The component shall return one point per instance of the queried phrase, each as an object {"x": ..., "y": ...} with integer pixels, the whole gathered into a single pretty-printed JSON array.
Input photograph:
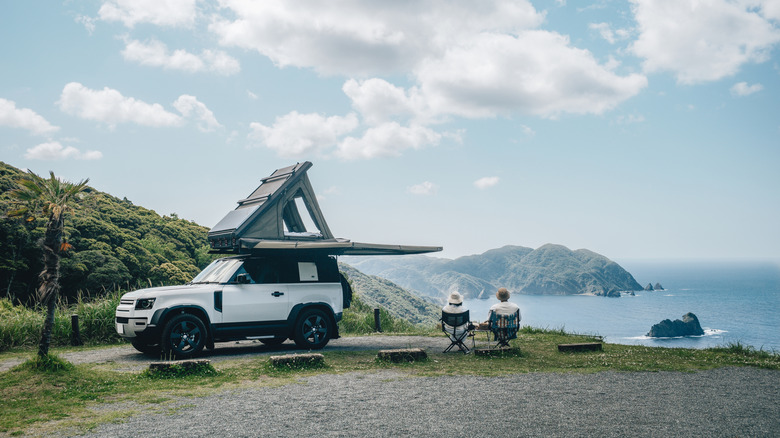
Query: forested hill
[
  {"x": 115, "y": 244},
  {"x": 550, "y": 269},
  {"x": 378, "y": 292}
]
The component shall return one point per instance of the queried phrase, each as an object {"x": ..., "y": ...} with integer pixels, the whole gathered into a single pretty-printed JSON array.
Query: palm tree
[{"x": 49, "y": 198}]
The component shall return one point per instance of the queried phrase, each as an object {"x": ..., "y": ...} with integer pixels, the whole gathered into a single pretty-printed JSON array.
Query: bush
[
  {"x": 50, "y": 363},
  {"x": 21, "y": 326}
]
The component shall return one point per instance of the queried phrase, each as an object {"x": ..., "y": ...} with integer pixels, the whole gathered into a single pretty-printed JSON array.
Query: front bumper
[{"x": 130, "y": 327}]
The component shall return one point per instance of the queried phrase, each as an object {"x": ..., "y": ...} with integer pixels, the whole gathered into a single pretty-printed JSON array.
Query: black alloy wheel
[
  {"x": 313, "y": 330},
  {"x": 184, "y": 336}
]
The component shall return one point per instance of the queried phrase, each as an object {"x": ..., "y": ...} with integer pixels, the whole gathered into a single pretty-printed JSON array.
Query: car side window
[
  {"x": 262, "y": 271},
  {"x": 242, "y": 271}
]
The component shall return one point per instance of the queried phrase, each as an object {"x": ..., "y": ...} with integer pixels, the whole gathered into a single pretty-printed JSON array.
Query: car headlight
[{"x": 144, "y": 304}]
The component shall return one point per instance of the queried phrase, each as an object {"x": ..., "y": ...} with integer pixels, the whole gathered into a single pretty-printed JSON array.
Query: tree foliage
[{"x": 113, "y": 244}]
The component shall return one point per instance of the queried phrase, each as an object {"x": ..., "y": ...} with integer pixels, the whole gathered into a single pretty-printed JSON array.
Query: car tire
[
  {"x": 184, "y": 336},
  {"x": 145, "y": 348},
  {"x": 313, "y": 329}
]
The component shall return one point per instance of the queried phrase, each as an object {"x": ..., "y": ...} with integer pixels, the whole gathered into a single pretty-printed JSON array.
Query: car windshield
[{"x": 219, "y": 271}]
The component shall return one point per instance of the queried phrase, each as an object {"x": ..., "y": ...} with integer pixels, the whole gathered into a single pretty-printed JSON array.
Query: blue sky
[{"x": 636, "y": 129}]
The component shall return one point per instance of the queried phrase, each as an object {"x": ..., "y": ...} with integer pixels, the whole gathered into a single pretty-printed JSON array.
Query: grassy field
[{"x": 42, "y": 397}]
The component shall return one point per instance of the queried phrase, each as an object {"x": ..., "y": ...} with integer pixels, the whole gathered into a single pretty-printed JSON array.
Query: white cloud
[
  {"x": 363, "y": 38},
  {"x": 424, "y": 188},
  {"x": 466, "y": 61},
  {"x": 743, "y": 89},
  {"x": 297, "y": 135},
  {"x": 486, "y": 182},
  {"x": 606, "y": 32},
  {"x": 110, "y": 107},
  {"x": 387, "y": 140},
  {"x": 156, "y": 54},
  {"x": 702, "y": 40},
  {"x": 24, "y": 118},
  {"x": 88, "y": 22},
  {"x": 535, "y": 72},
  {"x": 171, "y": 13},
  {"x": 379, "y": 101},
  {"x": 191, "y": 108},
  {"x": 55, "y": 151}
]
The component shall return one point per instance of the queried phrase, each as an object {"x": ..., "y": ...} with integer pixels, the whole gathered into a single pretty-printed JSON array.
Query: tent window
[{"x": 297, "y": 219}]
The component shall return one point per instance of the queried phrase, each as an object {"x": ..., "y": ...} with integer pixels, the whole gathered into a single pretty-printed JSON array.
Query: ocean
[{"x": 734, "y": 301}]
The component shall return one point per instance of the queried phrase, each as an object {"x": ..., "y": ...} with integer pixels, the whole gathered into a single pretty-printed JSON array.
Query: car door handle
[{"x": 277, "y": 294}]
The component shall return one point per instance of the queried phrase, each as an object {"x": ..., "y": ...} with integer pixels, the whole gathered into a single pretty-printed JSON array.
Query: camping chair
[
  {"x": 451, "y": 324},
  {"x": 504, "y": 327}
]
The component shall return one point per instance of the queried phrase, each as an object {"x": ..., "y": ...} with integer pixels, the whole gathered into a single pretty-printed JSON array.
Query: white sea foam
[
  {"x": 711, "y": 332},
  {"x": 707, "y": 332}
]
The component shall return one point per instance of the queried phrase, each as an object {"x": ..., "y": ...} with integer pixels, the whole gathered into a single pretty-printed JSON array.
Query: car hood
[{"x": 153, "y": 292}]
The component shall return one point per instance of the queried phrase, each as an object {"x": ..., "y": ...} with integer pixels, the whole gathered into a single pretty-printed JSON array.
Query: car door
[{"x": 254, "y": 296}]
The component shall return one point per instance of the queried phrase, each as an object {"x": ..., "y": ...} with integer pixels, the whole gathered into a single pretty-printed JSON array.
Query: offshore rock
[
  {"x": 689, "y": 326},
  {"x": 658, "y": 287},
  {"x": 649, "y": 286}
]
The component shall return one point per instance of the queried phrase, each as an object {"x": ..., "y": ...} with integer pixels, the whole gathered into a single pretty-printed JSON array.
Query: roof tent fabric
[
  {"x": 270, "y": 209},
  {"x": 269, "y": 220}
]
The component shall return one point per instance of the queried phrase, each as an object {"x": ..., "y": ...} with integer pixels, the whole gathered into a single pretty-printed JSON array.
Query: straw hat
[
  {"x": 455, "y": 298},
  {"x": 502, "y": 294}
]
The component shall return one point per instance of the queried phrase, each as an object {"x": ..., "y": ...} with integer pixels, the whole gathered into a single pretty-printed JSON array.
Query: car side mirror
[{"x": 242, "y": 278}]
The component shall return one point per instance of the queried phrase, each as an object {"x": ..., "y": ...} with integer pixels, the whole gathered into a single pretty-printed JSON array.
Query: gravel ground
[{"x": 726, "y": 402}]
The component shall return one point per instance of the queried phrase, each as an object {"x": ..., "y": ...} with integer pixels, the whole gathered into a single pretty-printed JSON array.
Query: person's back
[
  {"x": 455, "y": 305},
  {"x": 504, "y": 307}
]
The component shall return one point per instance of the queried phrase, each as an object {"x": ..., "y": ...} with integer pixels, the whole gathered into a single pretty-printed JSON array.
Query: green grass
[
  {"x": 40, "y": 397},
  {"x": 20, "y": 326}
]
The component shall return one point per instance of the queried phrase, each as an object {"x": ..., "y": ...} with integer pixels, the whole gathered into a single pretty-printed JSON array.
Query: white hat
[{"x": 456, "y": 298}]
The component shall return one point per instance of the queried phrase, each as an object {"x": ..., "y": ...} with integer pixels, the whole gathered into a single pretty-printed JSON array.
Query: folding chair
[
  {"x": 457, "y": 328},
  {"x": 504, "y": 328}
]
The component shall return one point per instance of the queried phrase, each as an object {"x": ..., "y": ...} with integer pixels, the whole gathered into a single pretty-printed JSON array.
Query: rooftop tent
[{"x": 282, "y": 215}]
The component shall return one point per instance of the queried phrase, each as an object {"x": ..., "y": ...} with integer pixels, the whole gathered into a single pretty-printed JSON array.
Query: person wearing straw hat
[
  {"x": 503, "y": 306},
  {"x": 455, "y": 305}
]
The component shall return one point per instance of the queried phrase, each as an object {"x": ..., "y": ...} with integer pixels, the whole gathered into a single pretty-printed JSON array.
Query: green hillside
[
  {"x": 115, "y": 244},
  {"x": 398, "y": 302}
]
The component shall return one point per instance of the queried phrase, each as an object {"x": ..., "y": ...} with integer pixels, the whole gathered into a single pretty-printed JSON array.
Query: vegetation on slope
[
  {"x": 115, "y": 244},
  {"x": 377, "y": 292}
]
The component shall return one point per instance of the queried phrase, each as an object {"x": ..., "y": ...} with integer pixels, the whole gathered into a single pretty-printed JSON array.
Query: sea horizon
[{"x": 736, "y": 301}]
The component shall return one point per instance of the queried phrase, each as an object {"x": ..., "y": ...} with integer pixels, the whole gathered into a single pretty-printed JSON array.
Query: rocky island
[{"x": 689, "y": 326}]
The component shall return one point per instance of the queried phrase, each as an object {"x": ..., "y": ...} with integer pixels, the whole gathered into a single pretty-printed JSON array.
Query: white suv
[{"x": 271, "y": 298}]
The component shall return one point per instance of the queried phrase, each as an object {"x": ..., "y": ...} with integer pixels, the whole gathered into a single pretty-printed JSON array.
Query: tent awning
[{"x": 332, "y": 247}]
